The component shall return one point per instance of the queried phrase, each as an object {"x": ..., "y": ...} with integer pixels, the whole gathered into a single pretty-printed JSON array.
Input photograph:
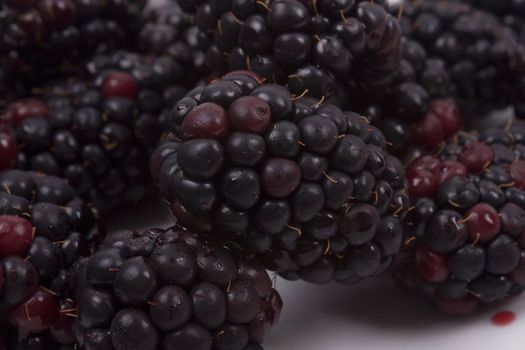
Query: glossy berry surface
[
  {"x": 306, "y": 187},
  {"x": 169, "y": 289}
]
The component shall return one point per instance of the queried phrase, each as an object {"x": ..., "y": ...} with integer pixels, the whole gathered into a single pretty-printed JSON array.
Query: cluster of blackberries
[
  {"x": 468, "y": 220},
  {"x": 169, "y": 289},
  {"x": 44, "y": 229},
  {"x": 309, "y": 45},
  {"x": 306, "y": 187}
]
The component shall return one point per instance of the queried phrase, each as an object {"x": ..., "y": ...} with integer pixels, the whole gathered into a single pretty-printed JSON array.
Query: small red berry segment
[
  {"x": 430, "y": 265},
  {"x": 61, "y": 329},
  {"x": 483, "y": 222},
  {"x": 280, "y": 177},
  {"x": 464, "y": 306},
  {"x": 421, "y": 176},
  {"x": 517, "y": 172},
  {"x": 503, "y": 318},
  {"x": 37, "y": 314},
  {"x": 208, "y": 120},
  {"x": 120, "y": 84},
  {"x": 16, "y": 235},
  {"x": 476, "y": 156},
  {"x": 429, "y": 132},
  {"x": 450, "y": 168},
  {"x": 18, "y": 111},
  {"x": 250, "y": 114},
  {"x": 448, "y": 114},
  {"x": 8, "y": 150}
]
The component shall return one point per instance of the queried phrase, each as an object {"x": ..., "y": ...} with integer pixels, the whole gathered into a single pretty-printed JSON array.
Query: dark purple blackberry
[
  {"x": 170, "y": 31},
  {"x": 465, "y": 243},
  {"x": 168, "y": 289},
  {"x": 306, "y": 187},
  {"x": 44, "y": 230},
  {"x": 481, "y": 55},
  {"x": 51, "y": 36},
  {"x": 316, "y": 47},
  {"x": 98, "y": 134}
]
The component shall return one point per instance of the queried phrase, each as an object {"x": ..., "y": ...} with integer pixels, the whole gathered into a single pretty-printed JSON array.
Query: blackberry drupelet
[
  {"x": 319, "y": 46},
  {"x": 304, "y": 186},
  {"x": 481, "y": 54},
  {"x": 169, "y": 289},
  {"x": 44, "y": 229},
  {"x": 98, "y": 133},
  {"x": 51, "y": 36},
  {"x": 464, "y": 234}
]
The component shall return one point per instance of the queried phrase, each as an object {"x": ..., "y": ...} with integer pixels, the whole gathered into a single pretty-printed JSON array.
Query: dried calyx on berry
[
  {"x": 309, "y": 189},
  {"x": 44, "y": 229},
  {"x": 465, "y": 232},
  {"x": 326, "y": 47},
  {"x": 169, "y": 289}
]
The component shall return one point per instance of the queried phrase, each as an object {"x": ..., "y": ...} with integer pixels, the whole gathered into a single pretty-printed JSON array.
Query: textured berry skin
[
  {"x": 99, "y": 132},
  {"x": 480, "y": 52},
  {"x": 465, "y": 232},
  {"x": 315, "y": 195},
  {"x": 168, "y": 289},
  {"x": 8, "y": 150},
  {"x": 326, "y": 48},
  {"x": 44, "y": 229}
]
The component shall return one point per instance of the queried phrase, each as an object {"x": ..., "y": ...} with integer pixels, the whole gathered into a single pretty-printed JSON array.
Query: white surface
[{"x": 373, "y": 315}]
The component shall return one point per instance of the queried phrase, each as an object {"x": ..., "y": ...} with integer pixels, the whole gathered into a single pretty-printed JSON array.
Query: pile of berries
[{"x": 324, "y": 140}]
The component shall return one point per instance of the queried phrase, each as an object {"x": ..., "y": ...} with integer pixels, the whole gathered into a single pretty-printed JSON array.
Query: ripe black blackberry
[
  {"x": 307, "y": 45},
  {"x": 306, "y": 187},
  {"x": 98, "y": 133},
  {"x": 48, "y": 36},
  {"x": 480, "y": 53},
  {"x": 44, "y": 229},
  {"x": 168, "y": 289},
  {"x": 465, "y": 242}
]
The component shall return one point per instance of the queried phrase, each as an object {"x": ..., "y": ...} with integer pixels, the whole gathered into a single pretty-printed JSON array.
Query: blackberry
[
  {"x": 49, "y": 37},
  {"x": 44, "y": 229},
  {"x": 481, "y": 54},
  {"x": 168, "y": 289},
  {"x": 98, "y": 133},
  {"x": 170, "y": 31},
  {"x": 304, "y": 186},
  {"x": 465, "y": 230},
  {"x": 313, "y": 46}
]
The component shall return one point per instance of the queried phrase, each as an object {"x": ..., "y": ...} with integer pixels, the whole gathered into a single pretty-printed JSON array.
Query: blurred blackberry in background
[
  {"x": 98, "y": 134},
  {"x": 51, "y": 37},
  {"x": 327, "y": 48},
  {"x": 170, "y": 31},
  {"x": 510, "y": 12},
  {"x": 168, "y": 289},
  {"x": 304, "y": 186},
  {"x": 481, "y": 55},
  {"x": 465, "y": 243},
  {"x": 44, "y": 229}
]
